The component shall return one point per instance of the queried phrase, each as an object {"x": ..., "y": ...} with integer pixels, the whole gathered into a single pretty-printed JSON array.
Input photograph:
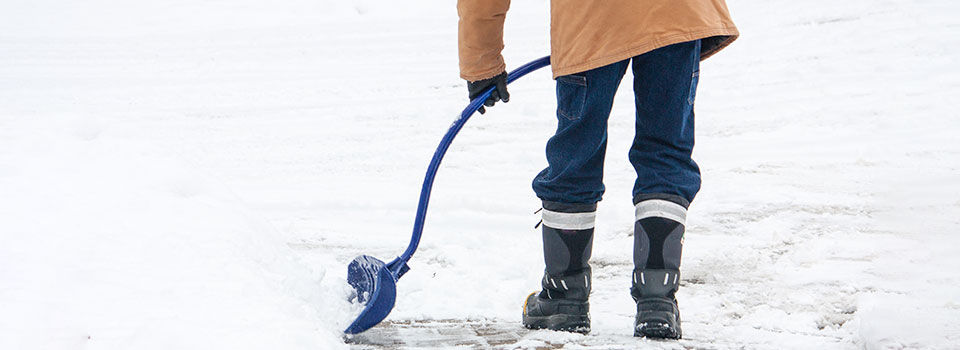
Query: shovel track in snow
[{"x": 497, "y": 334}]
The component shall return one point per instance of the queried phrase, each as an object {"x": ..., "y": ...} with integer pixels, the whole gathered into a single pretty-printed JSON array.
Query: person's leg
[
  {"x": 665, "y": 82},
  {"x": 664, "y": 85},
  {"x": 576, "y": 151},
  {"x": 570, "y": 187}
]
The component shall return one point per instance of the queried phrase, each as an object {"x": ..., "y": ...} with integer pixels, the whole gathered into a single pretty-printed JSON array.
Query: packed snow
[{"x": 198, "y": 174}]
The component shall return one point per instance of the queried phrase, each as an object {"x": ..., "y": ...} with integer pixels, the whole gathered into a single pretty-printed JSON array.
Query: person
[{"x": 592, "y": 44}]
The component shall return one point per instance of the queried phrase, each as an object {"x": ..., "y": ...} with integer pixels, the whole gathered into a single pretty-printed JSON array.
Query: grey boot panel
[
  {"x": 655, "y": 283},
  {"x": 657, "y": 243},
  {"x": 575, "y": 286},
  {"x": 566, "y": 251}
]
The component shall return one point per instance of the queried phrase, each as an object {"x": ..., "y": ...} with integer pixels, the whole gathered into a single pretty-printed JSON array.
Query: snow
[
  {"x": 108, "y": 245},
  {"x": 197, "y": 174}
]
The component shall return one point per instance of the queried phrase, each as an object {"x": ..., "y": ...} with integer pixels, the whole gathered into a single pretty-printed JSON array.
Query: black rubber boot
[
  {"x": 658, "y": 315},
  {"x": 562, "y": 303},
  {"x": 554, "y": 310},
  {"x": 658, "y": 243}
]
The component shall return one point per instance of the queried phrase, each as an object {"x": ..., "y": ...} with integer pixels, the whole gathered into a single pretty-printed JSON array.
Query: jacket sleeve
[{"x": 480, "y": 38}]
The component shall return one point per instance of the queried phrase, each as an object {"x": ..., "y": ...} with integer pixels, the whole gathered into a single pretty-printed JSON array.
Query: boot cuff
[
  {"x": 569, "y": 207},
  {"x": 569, "y": 216},
  {"x": 664, "y": 196}
]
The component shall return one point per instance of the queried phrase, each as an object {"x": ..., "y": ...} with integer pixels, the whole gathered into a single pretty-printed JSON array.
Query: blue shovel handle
[
  {"x": 374, "y": 281},
  {"x": 398, "y": 267}
]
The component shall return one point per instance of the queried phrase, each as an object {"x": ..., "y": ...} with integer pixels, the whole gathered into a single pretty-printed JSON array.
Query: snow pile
[{"x": 108, "y": 245}]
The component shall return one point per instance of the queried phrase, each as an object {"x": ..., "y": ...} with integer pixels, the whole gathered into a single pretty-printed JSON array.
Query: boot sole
[
  {"x": 564, "y": 323},
  {"x": 657, "y": 331}
]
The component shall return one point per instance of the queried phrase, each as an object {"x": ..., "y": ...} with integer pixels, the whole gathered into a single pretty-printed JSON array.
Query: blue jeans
[{"x": 664, "y": 87}]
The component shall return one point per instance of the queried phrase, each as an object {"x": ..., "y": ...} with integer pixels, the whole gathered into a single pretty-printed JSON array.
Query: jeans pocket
[
  {"x": 692, "y": 95},
  {"x": 571, "y": 96}
]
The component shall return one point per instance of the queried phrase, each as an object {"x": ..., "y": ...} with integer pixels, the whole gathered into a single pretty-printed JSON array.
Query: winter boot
[
  {"x": 658, "y": 242},
  {"x": 561, "y": 304}
]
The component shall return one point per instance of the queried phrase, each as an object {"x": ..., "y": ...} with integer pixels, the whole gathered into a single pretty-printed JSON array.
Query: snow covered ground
[{"x": 197, "y": 175}]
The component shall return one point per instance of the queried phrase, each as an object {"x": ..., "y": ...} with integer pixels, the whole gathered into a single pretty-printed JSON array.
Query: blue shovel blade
[{"x": 376, "y": 286}]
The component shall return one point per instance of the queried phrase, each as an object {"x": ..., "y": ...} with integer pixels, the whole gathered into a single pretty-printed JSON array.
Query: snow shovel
[{"x": 376, "y": 281}]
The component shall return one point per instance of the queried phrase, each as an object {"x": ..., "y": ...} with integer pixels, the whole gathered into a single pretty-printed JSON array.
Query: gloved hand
[{"x": 499, "y": 92}]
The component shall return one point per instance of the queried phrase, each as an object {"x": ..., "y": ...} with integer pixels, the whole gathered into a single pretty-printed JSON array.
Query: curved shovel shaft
[
  {"x": 445, "y": 143},
  {"x": 374, "y": 280}
]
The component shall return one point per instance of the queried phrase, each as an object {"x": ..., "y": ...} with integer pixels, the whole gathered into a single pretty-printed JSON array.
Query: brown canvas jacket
[{"x": 586, "y": 34}]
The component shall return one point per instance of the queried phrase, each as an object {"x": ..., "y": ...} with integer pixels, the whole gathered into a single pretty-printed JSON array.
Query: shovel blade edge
[{"x": 376, "y": 287}]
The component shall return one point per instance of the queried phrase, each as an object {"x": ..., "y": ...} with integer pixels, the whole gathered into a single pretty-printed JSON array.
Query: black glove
[{"x": 499, "y": 92}]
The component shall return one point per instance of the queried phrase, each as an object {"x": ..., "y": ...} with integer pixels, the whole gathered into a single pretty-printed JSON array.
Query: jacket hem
[{"x": 650, "y": 45}]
